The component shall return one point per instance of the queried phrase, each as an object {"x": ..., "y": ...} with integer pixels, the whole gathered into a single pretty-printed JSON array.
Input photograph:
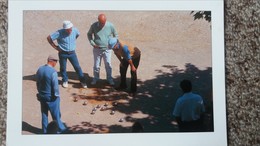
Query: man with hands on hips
[{"x": 66, "y": 39}]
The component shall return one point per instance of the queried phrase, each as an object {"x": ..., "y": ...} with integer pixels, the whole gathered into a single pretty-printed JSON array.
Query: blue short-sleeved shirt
[
  {"x": 127, "y": 55},
  {"x": 66, "y": 42},
  {"x": 189, "y": 107}
]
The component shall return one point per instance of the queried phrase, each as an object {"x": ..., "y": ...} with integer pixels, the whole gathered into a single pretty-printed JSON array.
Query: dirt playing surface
[{"x": 173, "y": 47}]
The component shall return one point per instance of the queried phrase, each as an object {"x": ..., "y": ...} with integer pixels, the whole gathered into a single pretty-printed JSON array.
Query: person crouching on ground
[
  {"x": 127, "y": 54},
  {"x": 48, "y": 93},
  {"x": 189, "y": 109}
]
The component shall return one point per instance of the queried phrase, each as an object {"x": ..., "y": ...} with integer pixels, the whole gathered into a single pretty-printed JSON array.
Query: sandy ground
[{"x": 173, "y": 46}]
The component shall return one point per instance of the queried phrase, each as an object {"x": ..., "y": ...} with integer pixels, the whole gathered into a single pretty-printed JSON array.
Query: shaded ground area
[{"x": 155, "y": 100}]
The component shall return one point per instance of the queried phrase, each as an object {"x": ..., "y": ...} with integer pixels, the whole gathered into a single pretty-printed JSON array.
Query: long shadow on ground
[
  {"x": 27, "y": 127},
  {"x": 156, "y": 98}
]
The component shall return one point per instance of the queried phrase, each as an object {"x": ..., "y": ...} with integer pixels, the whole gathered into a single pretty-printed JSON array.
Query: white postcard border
[{"x": 14, "y": 107}]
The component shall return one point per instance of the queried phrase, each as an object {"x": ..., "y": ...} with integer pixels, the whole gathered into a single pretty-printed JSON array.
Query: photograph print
[{"x": 99, "y": 72}]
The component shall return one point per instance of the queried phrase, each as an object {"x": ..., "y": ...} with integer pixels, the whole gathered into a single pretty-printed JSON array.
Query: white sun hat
[{"x": 67, "y": 24}]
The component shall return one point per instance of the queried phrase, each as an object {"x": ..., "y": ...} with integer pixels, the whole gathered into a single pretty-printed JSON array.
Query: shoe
[
  {"x": 94, "y": 82},
  {"x": 65, "y": 85},
  {"x": 111, "y": 82},
  {"x": 84, "y": 85}
]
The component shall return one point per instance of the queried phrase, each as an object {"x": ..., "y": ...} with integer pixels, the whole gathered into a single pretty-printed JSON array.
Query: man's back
[
  {"x": 189, "y": 107},
  {"x": 45, "y": 80}
]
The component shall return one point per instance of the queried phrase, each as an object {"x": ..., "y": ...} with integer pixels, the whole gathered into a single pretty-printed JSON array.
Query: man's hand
[
  {"x": 96, "y": 46},
  {"x": 133, "y": 69},
  {"x": 56, "y": 47}
]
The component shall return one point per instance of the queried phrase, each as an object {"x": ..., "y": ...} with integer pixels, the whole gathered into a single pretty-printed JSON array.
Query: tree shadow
[
  {"x": 30, "y": 77},
  {"x": 27, "y": 127},
  {"x": 91, "y": 128},
  {"x": 73, "y": 78},
  {"x": 155, "y": 99}
]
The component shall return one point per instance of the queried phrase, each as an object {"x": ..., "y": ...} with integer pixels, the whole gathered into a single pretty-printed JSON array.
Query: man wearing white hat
[
  {"x": 66, "y": 39},
  {"x": 48, "y": 93}
]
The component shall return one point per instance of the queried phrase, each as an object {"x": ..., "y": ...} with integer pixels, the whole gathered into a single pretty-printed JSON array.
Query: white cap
[{"x": 67, "y": 24}]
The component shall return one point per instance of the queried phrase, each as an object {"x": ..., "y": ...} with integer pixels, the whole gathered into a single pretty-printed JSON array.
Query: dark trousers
[
  {"x": 191, "y": 126},
  {"x": 123, "y": 71}
]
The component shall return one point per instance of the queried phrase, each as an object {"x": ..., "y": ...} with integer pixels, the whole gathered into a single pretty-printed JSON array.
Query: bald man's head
[{"x": 102, "y": 20}]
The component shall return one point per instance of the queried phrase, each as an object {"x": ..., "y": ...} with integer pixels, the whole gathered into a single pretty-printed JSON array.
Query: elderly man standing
[
  {"x": 48, "y": 93},
  {"x": 98, "y": 36},
  {"x": 66, "y": 39}
]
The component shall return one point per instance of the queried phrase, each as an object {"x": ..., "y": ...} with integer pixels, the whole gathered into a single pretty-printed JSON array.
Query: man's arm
[
  {"x": 37, "y": 80},
  {"x": 56, "y": 47},
  {"x": 115, "y": 34},
  {"x": 77, "y": 33},
  {"x": 129, "y": 58},
  {"x": 118, "y": 57},
  {"x": 132, "y": 65},
  {"x": 55, "y": 85},
  {"x": 90, "y": 37},
  {"x": 177, "y": 112}
]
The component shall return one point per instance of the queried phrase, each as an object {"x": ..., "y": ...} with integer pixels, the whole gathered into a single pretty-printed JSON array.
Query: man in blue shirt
[
  {"x": 66, "y": 39},
  {"x": 127, "y": 54},
  {"x": 48, "y": 93},
  {"x": 189, "y": 109},
  {"x": 98, "y": 36}
]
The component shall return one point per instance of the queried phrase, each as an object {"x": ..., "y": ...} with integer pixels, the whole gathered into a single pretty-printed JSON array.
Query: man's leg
[
  {"x": 134, "y": 75},
  {"x": 44, "y": 112},
  {"x": 54, "y": 107},
  {"x": 97, "y": 61},
  {"x": 63, "y": 64},
  {"x": 107, "y": 61},
  {"x": 75, "y": 63},
  {"x": 123, "y": 70}
]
